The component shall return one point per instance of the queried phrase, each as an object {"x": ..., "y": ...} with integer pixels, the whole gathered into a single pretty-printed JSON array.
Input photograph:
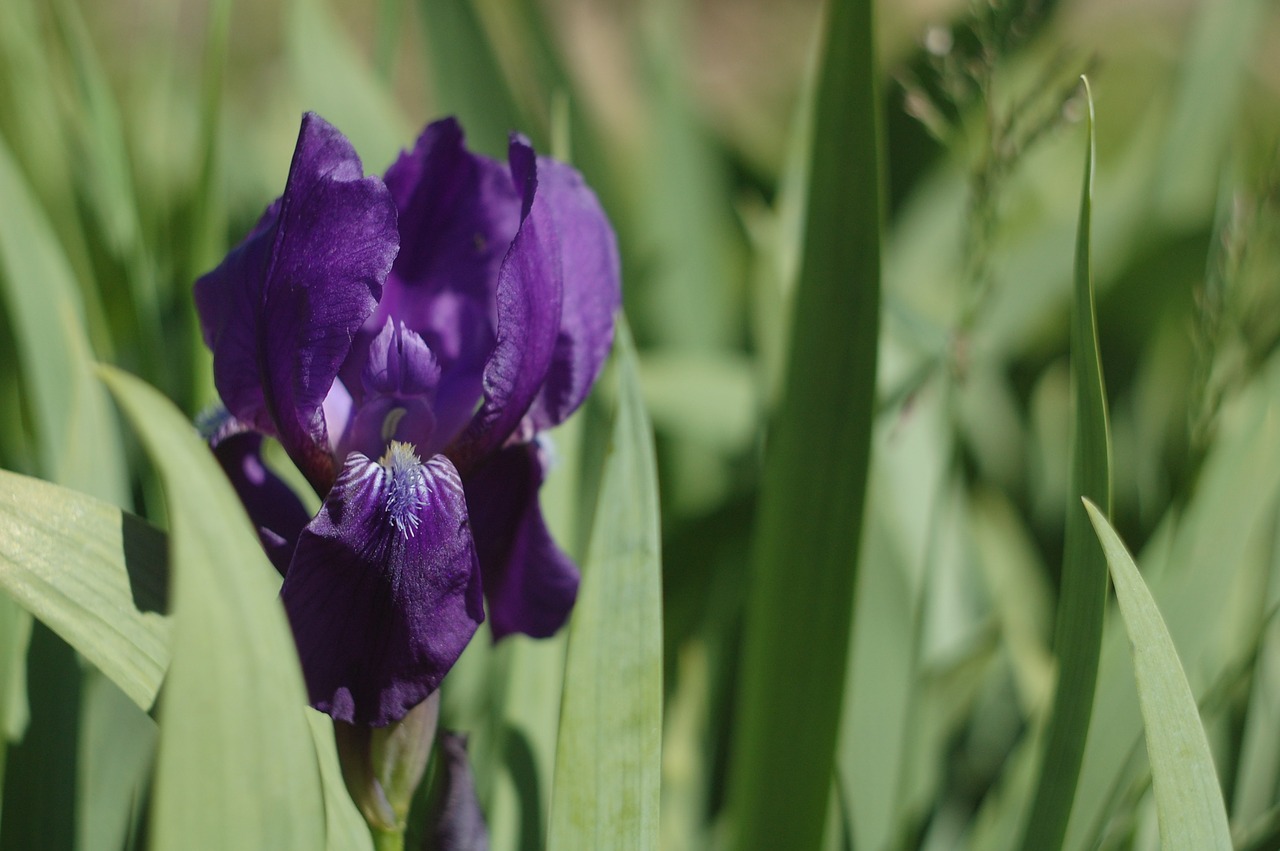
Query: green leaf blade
[
  {"x": 809, "y": 523},
  {"x": 1083, "y": 595},
  {"x": 609, "y": 751},
  {"x": 1189, "y": 802},
  {"x": 93, "y": 574},
  {"x": 76, "y": 431},
  {"x": 237, "y": 765}
]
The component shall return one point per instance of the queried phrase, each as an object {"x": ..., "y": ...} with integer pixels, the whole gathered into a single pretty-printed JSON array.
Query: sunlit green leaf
[
  {"x": 1188, "y": 797},
  {"x": 92, "y": 573},
  {"x": 237, "y": 764},
  {"x": 345, "y": 828},
  {"x": 118, "y": 743},
  {"x": 608, "y": 756}
]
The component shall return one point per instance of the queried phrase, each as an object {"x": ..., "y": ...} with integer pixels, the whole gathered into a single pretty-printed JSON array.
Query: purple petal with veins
[
  {"x": 530, "y": 583},
  {"x": 384, "y": 590},
  {"x": 592, "y": 292},
  {"x": 529, "y": 303},
  {"x": 281, "y": 310}
]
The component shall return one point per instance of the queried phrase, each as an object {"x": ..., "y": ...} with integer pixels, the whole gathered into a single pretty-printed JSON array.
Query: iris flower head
[{"x": 406, "y": 339}]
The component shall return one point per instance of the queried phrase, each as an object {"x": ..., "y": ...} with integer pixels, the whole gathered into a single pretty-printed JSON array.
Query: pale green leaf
[
  {"x": 608, "y": 756},
  {"x": 94, "y": 574},
  {"x": 1191, "y": 575},
  {"x": 1188, "y": 797},
  {"x": 117, "y": 747},
  {"x": 345, "y": 828},
  {"x": 237, "y": 764}
]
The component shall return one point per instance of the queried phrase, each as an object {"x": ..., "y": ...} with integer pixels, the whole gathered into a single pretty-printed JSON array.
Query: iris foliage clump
[{"x": 739, "y": 425}]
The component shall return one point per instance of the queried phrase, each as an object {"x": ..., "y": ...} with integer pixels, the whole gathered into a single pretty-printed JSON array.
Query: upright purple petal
[
  {"x": 592, "y": 292},
  {"x": 384, "y": 593},
  {"x": 458, "y": 213},
  {"x": 281, "y": 311},
  {"x": 272, "y": 506},
  {"x": 530, "y": 292},
  {"x": 531, "y": 585},
  {"x": 399, "y": 380}
]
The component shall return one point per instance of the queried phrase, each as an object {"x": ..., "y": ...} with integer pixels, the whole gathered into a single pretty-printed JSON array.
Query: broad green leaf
[
  {"x": 94, "y": 574},
  {"x": 118, "y": 743},
  {"x": 801, "y": 600},
  {"x": 1188, "y": 797},
  {"x": 345, "y": 828},
  {"x": 467, "y": 78},
  {"x": 902, "y": 554},
  {"x": 1083, "y": 596},
  {"x": 608, "y": 756},
  {"x": 237, "y": 764}
]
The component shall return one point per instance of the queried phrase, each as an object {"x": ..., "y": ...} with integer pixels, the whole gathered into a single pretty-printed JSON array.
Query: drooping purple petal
[
  {"x": 592, "y": 292},
  {"x": 399, "y": 381},
  {"x": 384, "y": 591},
  {"x": 530, "y": 292},
  {"x": 530, "y": 583},
  {"x": 282, "y": 309},
  {"x": 458, "y": 213},
  {"x": 272, "y": 506}
]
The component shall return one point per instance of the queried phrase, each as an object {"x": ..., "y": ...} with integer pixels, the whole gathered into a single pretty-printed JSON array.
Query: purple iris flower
[{"x": 406, "y": 339}]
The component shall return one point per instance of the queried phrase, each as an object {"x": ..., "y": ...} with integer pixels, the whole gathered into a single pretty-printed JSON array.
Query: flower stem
[{"x": 388, "y": 840}]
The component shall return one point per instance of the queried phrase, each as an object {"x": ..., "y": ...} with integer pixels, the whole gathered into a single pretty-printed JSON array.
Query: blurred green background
[{"x": 138, "y": 140}]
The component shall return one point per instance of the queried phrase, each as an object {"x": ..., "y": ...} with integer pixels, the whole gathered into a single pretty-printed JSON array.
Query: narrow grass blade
[
  {"x": 75, "y": 429},
  {"x": 800, "y": 606},
  {"x": 609, "y": 751},
  {"x": 336, "y": 82},
  {"x": 466, "y": 75},
  {"x": 94, "y": 574},
  {"x": 1083, "y": 596},
  {"x": 1192, "y": 576},
  {"x": 1188, "y": 797},
  {"x": 207, "y": 211},
  {"x": 98, "y": 139},
  {"x": 237, "y": 764}
]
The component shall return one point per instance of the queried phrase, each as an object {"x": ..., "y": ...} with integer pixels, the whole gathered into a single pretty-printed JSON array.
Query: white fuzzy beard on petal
[{"x": 406, "y": 486}]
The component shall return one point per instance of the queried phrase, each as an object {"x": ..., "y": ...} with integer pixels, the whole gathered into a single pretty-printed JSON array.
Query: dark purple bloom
[{"x": 406, "y": 341}]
